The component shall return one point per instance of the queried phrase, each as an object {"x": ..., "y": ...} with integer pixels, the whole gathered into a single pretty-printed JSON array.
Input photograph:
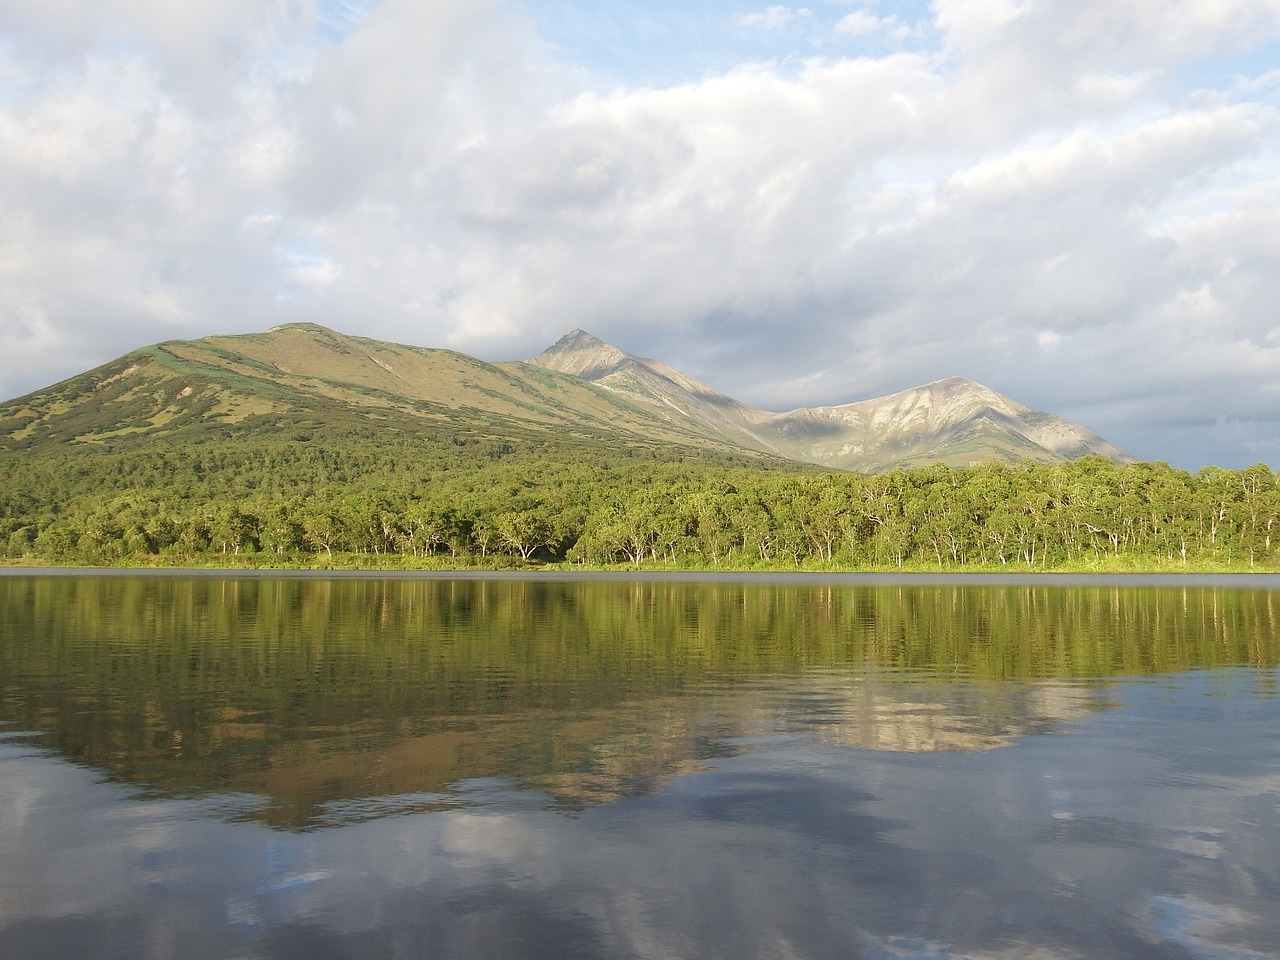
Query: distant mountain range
[
  {"x": 953, "y": 421},
  {"x": 305, "y": 379}
]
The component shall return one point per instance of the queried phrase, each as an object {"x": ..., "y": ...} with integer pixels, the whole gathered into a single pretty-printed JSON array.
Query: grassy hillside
[{"x": 305, "y": 381}]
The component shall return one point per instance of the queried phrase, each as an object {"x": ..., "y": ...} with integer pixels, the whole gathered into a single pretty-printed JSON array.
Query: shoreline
[{"x": 1260, "y": 580}]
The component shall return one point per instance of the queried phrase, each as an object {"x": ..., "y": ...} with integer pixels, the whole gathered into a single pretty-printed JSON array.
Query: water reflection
[
  {"x": 333, "y": 700},
  {"x": 304, "y": 768},
  {"x": 1125, "y": 839}
]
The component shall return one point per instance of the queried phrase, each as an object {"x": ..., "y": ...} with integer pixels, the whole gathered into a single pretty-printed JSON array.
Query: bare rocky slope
[{"x": 953, "y": 421}]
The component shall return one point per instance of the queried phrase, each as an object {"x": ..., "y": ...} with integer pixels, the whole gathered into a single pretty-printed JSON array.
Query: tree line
[{"x": 492, "y": 503}]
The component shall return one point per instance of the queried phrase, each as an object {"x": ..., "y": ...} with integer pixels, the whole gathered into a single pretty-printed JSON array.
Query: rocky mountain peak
[
  {"x": 953, "y": 420},
  {"x": 959, "y": 396},
  {"x": 582, "y": 355}
]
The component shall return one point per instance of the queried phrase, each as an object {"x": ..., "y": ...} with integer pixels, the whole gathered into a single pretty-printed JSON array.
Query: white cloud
[
  {"x": 775, "y": 17},
  {"x": 860, "y": 23},
  {"x": 1035, "y": 188},
  {"x": 1081, "y": 34}
]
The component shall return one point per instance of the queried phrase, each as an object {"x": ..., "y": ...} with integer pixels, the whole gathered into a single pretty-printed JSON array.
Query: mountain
[
  {"x": 674, "y": 397},
  {"x": 303, "y": 380},
  {"x": 953, "y": 421}
]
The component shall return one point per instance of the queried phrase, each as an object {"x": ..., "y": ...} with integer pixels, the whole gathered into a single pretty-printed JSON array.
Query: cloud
[
  {"x": 774, "y": 18},
  {"x": 1075, "y": 202},
  {"x": 861, "y": 23},
  {"x": 1134, "y": 32}
]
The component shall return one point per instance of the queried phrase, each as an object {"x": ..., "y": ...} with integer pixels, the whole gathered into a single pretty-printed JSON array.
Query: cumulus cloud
[
  {"x": 774, "y": 18},
  {"x": 861, "y": 23},
  {"x": 1076, "y": 203}
]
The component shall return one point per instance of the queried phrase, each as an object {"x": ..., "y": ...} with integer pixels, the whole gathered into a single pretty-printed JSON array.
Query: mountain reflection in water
[
  {"x": 232, "y": 767},
  {"x": 332, "y": 700}
]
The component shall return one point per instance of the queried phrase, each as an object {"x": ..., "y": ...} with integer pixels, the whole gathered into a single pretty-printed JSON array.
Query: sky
[{"x": 1074, "y": 202}]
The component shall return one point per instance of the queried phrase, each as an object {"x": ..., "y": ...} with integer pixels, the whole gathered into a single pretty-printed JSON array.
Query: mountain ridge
[
  {"x": 304, "y": 378},
  {"x": 953, "y": 420},
  {"x": 308, "y": 377}
]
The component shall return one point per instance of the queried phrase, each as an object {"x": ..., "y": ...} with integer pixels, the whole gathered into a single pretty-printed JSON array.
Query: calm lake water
[{"x": 235, "y": 766}]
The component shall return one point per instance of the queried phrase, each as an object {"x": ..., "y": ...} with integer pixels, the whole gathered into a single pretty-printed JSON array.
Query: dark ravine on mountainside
[
  {"x": 305, "y": 379},
  {"x": 953, "y": 421}
]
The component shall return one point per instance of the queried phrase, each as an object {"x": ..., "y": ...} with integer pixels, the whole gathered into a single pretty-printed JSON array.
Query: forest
[{"x": 377, "y": 501}]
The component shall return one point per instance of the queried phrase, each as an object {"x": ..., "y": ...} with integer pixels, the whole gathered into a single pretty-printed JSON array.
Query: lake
[{"x": 235, "y": 766}]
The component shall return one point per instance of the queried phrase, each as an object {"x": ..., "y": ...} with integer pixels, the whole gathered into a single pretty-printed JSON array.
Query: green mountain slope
[{"x": 304, "y": 379}]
